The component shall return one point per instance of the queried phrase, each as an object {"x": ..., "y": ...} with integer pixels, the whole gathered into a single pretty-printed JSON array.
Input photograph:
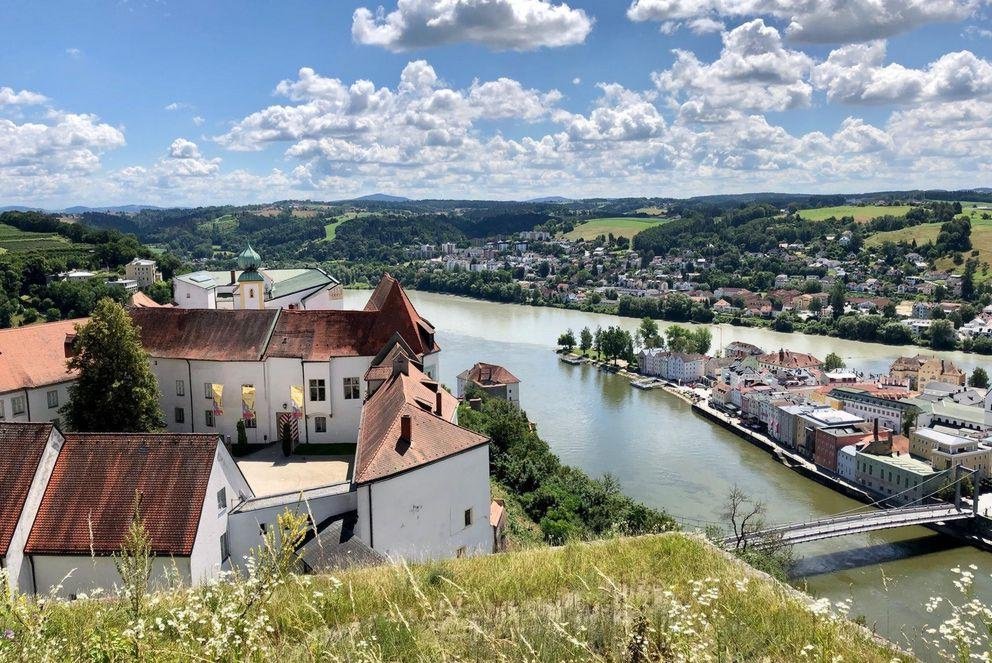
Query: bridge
[{"x": 866, "y": 518}]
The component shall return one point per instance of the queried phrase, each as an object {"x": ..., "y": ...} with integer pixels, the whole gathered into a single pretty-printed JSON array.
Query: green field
[
  {"x": 221, "y": 223},
  {"x": 331, "y": 229},
  {"x": 859, "y": 212},
  {"x": 619, "y": 226},
  {"x": 981, "y": 239},
  {"x": 13, "y": 240}
]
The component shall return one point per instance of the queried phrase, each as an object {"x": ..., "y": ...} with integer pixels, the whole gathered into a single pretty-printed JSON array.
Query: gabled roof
[
  {"x": 397, "y": 313},
  {"x": 488, "y": 375},
  {"x": 34, "y": 356},
  {"x": 205, "y": 334},
  {"x": 21, "y": 449},
  {"x": 89, "y": 501},
  {"x": 141, "y": 300},
  {"x": 382, "y": 452}
]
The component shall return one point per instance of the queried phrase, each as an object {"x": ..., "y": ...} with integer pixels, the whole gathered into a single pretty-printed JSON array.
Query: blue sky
[{"x": 232, "y": 102}]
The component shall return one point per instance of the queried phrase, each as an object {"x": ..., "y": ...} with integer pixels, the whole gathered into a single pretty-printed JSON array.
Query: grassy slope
[
  {"x": 619, "y": 226},
  {"x": 581, "y": 602},
  {"x": 865, "y": 213},
  {"x": 981, "y": 239},
  {"x": 15, "y": 240}
]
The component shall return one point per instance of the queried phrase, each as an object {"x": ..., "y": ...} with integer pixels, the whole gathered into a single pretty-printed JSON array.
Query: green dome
[{"x": 249, "y": 260}]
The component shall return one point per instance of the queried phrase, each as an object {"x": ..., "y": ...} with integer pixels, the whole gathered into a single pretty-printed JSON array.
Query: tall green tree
[
  {"x": 838, "y": 298},
  {"x": 833, "y": 361},
  {"x": 942, "y": 336},
  {"x": 116, "y": 390},
  {"x": 979, "y": 378},
  {"x": 649, "y": 333},
  {"x": 567, "y": 340},
  {"x": 585, "y": 339}
]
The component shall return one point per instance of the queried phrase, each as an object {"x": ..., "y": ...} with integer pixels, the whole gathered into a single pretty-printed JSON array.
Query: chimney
[
  {"x": 437, "y": 403},
  {"x": 406, "y": 428},
  {"x": 232, "y": 278},
  {"x": 475, "y": 403},
  {"x": 876, "y": 430}
]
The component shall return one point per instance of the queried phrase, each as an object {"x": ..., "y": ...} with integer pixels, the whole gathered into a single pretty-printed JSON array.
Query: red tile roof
[
  {"x": 489, "y": 375},
  {"x": 141, "y": 300},
  {"x": 21, "y": 448},
  {"x": 382, "y": 451},
  {"x": 397, "y": 314},
  {"x": 34, "y": 356},
  {"x": 790, "y": 359},
  {"x": 208, "y": 334},
  {"x": 93, "y": 485}
]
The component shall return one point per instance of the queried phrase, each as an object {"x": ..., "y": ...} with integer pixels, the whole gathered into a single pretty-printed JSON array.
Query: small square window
[
  {"x": 352, "y": 388},
  {"x": 53, "y": 398},
  {"x": 318, "y": 390},
  {"x": 468, "y": 517},
  {"x": 251, "y": 423},
  {"x": 180, "y": 388},
  {"x": 208, "y": 418},
  {"x": 320, "y": 424},
  {"x": 17, "y": 405},
  {"x": 180, "y": 415}
]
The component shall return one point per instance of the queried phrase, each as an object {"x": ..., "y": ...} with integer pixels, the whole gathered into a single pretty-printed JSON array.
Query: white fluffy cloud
[
  {"x": 520, "y": 25},
  {"x": 8, "y": 97},
  {"x": 815, "y": 21},
  {"x": 754, "y": 72},
  {"x": 856, "y": 74}
]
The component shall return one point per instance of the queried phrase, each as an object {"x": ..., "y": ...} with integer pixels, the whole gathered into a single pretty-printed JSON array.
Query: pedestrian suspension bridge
[{"x": 869, "y": 517}]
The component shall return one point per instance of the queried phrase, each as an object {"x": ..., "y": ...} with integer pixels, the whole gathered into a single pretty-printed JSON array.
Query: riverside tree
[
  {"x": 567, "y": 340},
  {"x": 585, "y": 339},
  {"x": 833, "y": 361},
  {"x": 116, "y": 390},
  {"x": 979, "y": 378}
]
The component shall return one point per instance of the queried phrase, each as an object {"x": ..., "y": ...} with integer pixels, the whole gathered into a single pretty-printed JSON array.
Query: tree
[
  {"x": 649, "y": 333},
  {"x": 746, "y": 516},
  {"x": 979, "y": 378},
  {"x": 116, "y": 390},
  {"x": 567, "y": 340},
  {"x": 597, "y": 342},
  {"x": 585, "y": 339},
  {"x": 942, "y": 335},
  {"x": 838, "y": 298},
  {"x": 702, "y": 339},
  {"x": 833, "y": 361}
]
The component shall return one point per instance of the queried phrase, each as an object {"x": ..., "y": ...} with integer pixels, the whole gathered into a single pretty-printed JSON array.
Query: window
[
  {"x": 318, "y": 390},
  {"x": 208, "y": 418},
  {"x": 180, "y": 415},
  {"x": 225, "y": 551},
  {"x": 2, "y": 415},
  {"x": 320, "y": 424},
  {"x": 262, "y": 529},
  {"x": 53, "y": 398},
  {"x": 208, "y": 390},
  {"x": 222, "y": 498},
  {"x": 468, "y": 517},
  {"x": 250, "y": 423},
  {"x": 460, "y": 552},
  {"x": 352, "y": 388},
  {"x": 17, "y": 405},
  {"x": 180, "y": 388}
]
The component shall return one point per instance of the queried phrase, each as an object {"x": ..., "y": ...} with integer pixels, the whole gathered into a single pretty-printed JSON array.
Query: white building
[
  {"x": 252, "y": 287},
  {"x": 34, "y": 380},
  {"x": 492, "y": 379},
  {"x": 276, "y": 367},
  {"x": 80, "y": 502},
  {"x": 144, "y": 271},
  {"x": 674, "y": 366}
]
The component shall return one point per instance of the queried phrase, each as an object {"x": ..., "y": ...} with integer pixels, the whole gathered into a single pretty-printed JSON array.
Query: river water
[{"x": 670, "y": 458}]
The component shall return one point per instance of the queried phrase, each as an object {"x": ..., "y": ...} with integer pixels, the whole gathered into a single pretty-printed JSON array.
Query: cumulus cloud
[
  {"x": 849, "y": 21},
  {"x": 74, "y": 53},
  {"x": 8, "y": 97},
  {"x": 520, "y": 25},
  {"x": 857, "y": 74},
  {"x": 754, "y": 72},
  {"x": 178, "y": 105}
]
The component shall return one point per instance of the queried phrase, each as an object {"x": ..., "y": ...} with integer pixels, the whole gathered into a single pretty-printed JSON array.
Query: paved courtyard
[{"x": 268, "y": 472}]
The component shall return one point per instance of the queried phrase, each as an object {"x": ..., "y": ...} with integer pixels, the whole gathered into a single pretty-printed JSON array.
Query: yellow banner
[
  {"x": 247, "y": 402},
  {"x": 296, "y": 395},
  {"x": 218, "y": 391}
]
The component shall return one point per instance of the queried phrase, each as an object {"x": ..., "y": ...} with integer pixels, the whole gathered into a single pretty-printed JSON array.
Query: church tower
[{"x": 251, "y": 284}]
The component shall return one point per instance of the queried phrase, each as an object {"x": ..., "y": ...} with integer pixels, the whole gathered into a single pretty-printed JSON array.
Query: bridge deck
[{"x": 828, "y": 528}]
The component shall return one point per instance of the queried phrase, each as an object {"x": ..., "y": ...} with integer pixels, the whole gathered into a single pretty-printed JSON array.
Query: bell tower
[{"x": 251, "y": 284}]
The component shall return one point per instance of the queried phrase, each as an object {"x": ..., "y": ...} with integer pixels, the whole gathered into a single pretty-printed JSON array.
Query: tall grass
[{"x": 669, "y": 597}]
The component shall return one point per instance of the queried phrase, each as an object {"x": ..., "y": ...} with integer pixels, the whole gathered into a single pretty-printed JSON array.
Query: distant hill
[
  {"x": 551, "y": 199},
  {"x": 20, "y": 208},
  {"x": 126, "y": 209},
  {"x": 382, "y": 198}
]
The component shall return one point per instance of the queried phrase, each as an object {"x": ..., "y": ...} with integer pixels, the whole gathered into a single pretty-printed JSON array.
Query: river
[{"x": 670, "y": 458}]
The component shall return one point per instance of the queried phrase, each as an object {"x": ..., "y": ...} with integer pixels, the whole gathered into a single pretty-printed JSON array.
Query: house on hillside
[
  {"x": 253, "y": 287},
  {"x": 494, "y": 380},
  {"x": 34, "y": 380},
  {"x": 142, "y": 271},
  {"x": 72, "y": 498}
]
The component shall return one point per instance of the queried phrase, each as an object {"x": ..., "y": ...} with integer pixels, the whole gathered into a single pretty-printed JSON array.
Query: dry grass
[{"x": 668, "y": 597}]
